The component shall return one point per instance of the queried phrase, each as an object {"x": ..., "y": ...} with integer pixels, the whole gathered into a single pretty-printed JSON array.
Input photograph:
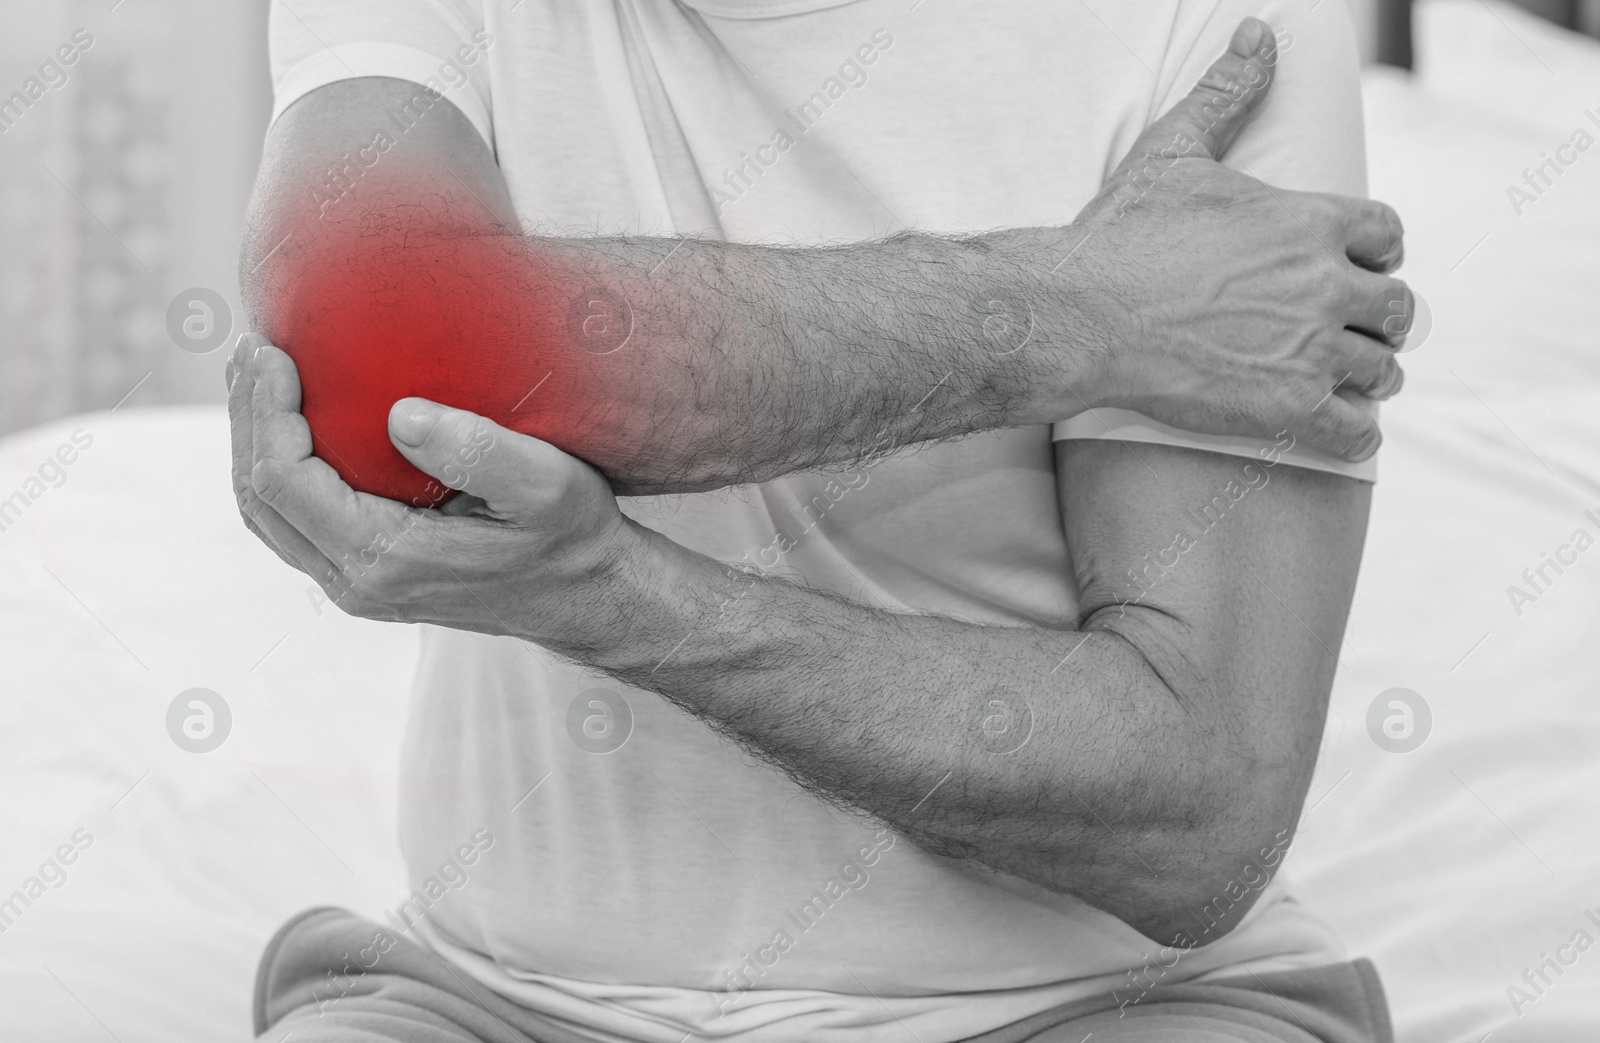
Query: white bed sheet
[
  {"x": 132, "y": 582},
  {"x": 1455, "y": 866},
  {"x": 1458, "y": 866}
]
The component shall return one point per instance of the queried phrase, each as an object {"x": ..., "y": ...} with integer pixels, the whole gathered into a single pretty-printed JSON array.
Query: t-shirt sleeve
[
  {"x": 442, "y": 44},
  {"x": 1307, "y": 137}
]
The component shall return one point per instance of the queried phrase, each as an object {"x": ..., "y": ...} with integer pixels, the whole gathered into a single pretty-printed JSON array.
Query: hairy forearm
[
  {"x": 1057, "y": 756},
  {"x": 1144, "y": 760},
  {"x": 671, "y": 364},
  {"x": 744, "y": 363}
]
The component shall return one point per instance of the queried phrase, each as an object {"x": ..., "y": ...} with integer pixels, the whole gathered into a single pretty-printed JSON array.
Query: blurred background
[
  {"x": 122, "y": 185},
  {"x": 126, "y": 184}
]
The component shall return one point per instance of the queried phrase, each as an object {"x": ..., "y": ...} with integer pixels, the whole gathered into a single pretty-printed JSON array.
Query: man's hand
[
  {"x": 531, "y": 523},
  {"x": 1231, "y": 307}
]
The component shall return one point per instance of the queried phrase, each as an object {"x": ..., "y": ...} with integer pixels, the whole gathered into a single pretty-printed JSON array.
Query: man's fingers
[
  {"x": 1374, "y": 238},
  {"x": 1342, "y": 428},
  {"x": 1207, "y": 120},
  {"x": 258, "y": 517},
  {"x": 279, "y": 431},
  {"x": 289, "y": 545},
  {"x": 294, "y": 502},
  {"x": 293, "y": 549},
  {"x": 1380, "y": 306},
  {"x": 1370, "y": 368},
  {"x": 313, "y": 517},
  {"x": 240, "y": 421},
  {"x": 305, "y": 492},
  {"x": 241, "y": 407}
]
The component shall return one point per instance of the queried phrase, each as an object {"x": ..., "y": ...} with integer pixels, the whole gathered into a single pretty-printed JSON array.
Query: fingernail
[
  {"x": 1246, "y": 39},
  {"x": 412, "y": 419}
]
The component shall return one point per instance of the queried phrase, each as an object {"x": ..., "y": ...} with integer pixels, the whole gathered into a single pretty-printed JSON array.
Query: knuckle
[
  {"x": 455, "y": 424},
  {"x": 1311, "y": 406},
  {"x": 469, "y": 433},
  {"x": 482, "y": 437},
  {"x": 1331, "y": 276},
  {"x": 1333, "y": 213},
  {"x": 1210, "y": 92},
  {"x": 1330, "y": 288},
  {"x": 268, "y": 480}
]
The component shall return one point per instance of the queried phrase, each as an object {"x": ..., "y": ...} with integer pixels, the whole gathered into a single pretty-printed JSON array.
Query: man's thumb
[
  {"x": 463, "y": 450},
  {"x": 1207, "y": 120}
]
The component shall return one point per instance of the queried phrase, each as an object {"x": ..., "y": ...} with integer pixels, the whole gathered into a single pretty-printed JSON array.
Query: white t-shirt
[{"x": 634, "y": 894}]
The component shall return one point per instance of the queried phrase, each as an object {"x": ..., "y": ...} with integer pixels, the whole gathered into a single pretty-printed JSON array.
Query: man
[{"x": 942, "y": 730}]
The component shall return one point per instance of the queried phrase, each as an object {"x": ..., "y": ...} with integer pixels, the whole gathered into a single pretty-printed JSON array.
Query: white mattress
[{"x": 1454, "y": 867}]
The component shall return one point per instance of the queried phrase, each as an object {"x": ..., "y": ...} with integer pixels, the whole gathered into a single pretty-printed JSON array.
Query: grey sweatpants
[{"x": 308, "y": 991}]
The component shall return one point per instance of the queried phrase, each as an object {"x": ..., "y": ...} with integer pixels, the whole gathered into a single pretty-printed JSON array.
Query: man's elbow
[
  {"x": 1219, "y": 847},
  {"x": 1221, "y": 807},
  {"x": 1213, "y": 890},
  {"x": 413, "y": 294}
]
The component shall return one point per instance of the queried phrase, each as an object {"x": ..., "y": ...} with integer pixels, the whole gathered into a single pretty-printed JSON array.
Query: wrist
[
  {"x": 627, "y": 606},
  {"x": 589, "y": 594},
  {"x": 1068, "y": 361}
]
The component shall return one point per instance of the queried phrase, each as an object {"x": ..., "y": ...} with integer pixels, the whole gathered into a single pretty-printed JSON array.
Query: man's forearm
[
  {"x": 671, "y": 364},
  {"x": 1057, "y": 756},
  {"x": 751, "y": 362}
]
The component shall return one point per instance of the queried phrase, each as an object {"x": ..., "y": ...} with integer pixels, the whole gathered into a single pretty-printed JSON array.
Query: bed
[{"x": 1462, "y": 867}]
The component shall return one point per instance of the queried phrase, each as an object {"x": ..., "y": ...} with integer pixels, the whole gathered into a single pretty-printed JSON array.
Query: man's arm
[
  {"x": 1169, "y": 738},
  {"x": 745, "y": 362},
  {"x": 742, "y": 362}
]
